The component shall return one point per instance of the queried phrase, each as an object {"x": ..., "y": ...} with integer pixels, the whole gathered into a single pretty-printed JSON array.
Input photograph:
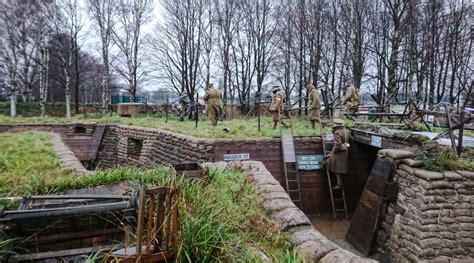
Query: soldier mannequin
[
  {"x": 351, "y": 101},
  {"x": 184, "y": 104},
  {"x": 314, "y": 104},
  {"x": 276, "y": 106},
  {"x": 338, "y": 162},
  {"x": 212, "y": 97}
]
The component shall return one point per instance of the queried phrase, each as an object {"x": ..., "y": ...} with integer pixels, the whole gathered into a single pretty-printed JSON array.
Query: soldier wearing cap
[
  {"x": 213, "y": 100},
  {"x": 276, "y": 106},
  {"x": 314, "y": 104},
  {"x": 338, "y": 162},
  {"x": 184, "y": 105},
  {"x": 351, "y": 101}
]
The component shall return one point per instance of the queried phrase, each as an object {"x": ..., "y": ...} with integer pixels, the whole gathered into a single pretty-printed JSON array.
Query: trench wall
[
  {"x": 432, "y": 219},
  {"x": 161, "y": 146},
  {"x": 109, "y": 146}
]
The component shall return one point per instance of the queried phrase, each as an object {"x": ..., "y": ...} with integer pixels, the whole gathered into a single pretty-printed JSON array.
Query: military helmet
[{"x": 275, "y": 89}]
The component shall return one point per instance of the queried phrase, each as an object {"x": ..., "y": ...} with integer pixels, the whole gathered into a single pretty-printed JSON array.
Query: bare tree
[
  {"x": 104, "y": 15},
  {"x": 19, "y": 42},
  {"x": 226, "y": 28},
  {"x": 128, "y": 36},
  {"x": 65, "y": 25},
  {"x": 178, "y": 44}
]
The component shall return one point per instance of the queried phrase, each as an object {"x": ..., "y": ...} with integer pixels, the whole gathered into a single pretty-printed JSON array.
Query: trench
[{"x": 108, "y": 146}]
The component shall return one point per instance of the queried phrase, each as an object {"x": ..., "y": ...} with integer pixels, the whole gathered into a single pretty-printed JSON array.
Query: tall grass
[
  {"x": 27, "y": 162},
  {"x": 220, "y": 215},
  {"x": 444, "y": 159}
]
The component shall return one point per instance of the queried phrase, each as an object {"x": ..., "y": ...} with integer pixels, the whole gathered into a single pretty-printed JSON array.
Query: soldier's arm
[
  {"x": 206, "y": 96},
  {"x": 337, "y": 143}
]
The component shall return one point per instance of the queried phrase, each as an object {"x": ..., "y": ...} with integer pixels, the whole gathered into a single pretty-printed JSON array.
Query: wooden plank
[
  {"x": 57, "y": 254},
  {"x": 367, "y": 216}
]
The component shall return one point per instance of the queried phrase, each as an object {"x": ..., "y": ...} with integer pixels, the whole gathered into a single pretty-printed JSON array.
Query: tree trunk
[{"x": 13, "y": 104}]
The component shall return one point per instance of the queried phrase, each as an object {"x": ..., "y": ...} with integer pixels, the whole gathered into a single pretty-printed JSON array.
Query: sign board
[
  {"x": 376, "y": 141},
  {"x": 288, "y": 147},
  {"x": 236, "y": 156},
  {"x": 310, "y": 162}
]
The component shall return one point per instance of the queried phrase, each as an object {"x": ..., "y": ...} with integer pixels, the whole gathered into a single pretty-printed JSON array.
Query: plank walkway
[{"x": 328, "y": 226}]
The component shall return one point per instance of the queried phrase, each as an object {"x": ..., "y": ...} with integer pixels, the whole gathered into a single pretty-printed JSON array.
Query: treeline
[{"x": 418, "y": 50}]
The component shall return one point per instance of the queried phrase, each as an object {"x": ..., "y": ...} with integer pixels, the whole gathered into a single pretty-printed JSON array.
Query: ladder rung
[
  {"x": 290, "y": 180},
  {"x": 338, "y": 199},
  {"x": 294, "y": 190},
  {"x": 340, "y": 210}
]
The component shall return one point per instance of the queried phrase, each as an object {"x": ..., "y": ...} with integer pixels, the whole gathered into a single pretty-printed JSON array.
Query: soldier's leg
[
  {"x": 275, "y": 120},
  {"x": 338, "y": 182},
  {"x": 213, "y": 116},
  {"x": 313, "y": 124}
]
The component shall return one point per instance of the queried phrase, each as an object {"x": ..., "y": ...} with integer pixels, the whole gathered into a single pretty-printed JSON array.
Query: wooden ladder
[
  {"x": 341, "y": 198},
  {"x": 293, "y": 186}
]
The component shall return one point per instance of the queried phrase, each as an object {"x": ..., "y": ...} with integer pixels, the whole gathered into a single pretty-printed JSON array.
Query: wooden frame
[{"x": 158, "y": 228}]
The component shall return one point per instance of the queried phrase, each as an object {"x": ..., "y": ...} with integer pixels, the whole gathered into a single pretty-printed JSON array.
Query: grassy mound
[
  {"x": 221, "y": 215},
  {"x": 239, "y": 128},
  {"x": 27, "y": 160}
]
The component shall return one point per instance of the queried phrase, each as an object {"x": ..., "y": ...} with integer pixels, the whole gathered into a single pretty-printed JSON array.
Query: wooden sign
[
  {"x": 310, "y": 162},
  {"x": 236, "y": 156}
]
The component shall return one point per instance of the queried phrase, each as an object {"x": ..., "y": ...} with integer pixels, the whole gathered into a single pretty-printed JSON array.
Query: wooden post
[
  {"x": 461, "y": 131},
  {"x": 196, "y": 109},
  {"x": 258, "y": 111},
  {"x": 450, "y": 129}
]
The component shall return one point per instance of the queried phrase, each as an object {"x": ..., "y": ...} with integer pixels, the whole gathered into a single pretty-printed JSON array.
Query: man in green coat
[
  {"x": 314, "y": 104},
  {"x": 338, "y": 162},
  {"x": 213, "y": 100}
]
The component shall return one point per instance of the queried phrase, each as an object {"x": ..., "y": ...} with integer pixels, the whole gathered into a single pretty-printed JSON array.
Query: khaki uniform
[
  {"x": 276, "y": 106},
  {"x": 214, "y": 110},
  {"x": 352, "y": 99},
  {"x": 314, "y": 104},
  {"x": 338, "y": 161}
]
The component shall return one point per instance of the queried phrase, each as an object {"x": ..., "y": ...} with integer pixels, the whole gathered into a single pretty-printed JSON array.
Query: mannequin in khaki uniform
[
  {"x": 314, "y": 104},
  {"x": 351, "y": 101},
  {"x": 338, "y": 162},
  {"x": 212, "y": 97},
  {"x": 276, "y": 106}
]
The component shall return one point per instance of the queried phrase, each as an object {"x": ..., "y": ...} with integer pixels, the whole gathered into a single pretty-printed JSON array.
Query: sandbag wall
[
  {"x": 432, "y": 218},
  {"x": 143, "y": 147}
]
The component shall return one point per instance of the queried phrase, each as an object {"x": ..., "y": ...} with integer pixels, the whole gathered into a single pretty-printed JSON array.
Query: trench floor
[
  {"x": 334, "y": 229},
  {"x": 328, "y": 226}
]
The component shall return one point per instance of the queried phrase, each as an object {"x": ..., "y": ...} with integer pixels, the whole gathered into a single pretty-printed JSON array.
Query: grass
[
  {"x": 30, "y": 109},
  {"x": 27, "y": 161},
  {"x": 221, "y": 216},
  {"x": 239, "y": 128},
  {"x": 444, "y": 159}
]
